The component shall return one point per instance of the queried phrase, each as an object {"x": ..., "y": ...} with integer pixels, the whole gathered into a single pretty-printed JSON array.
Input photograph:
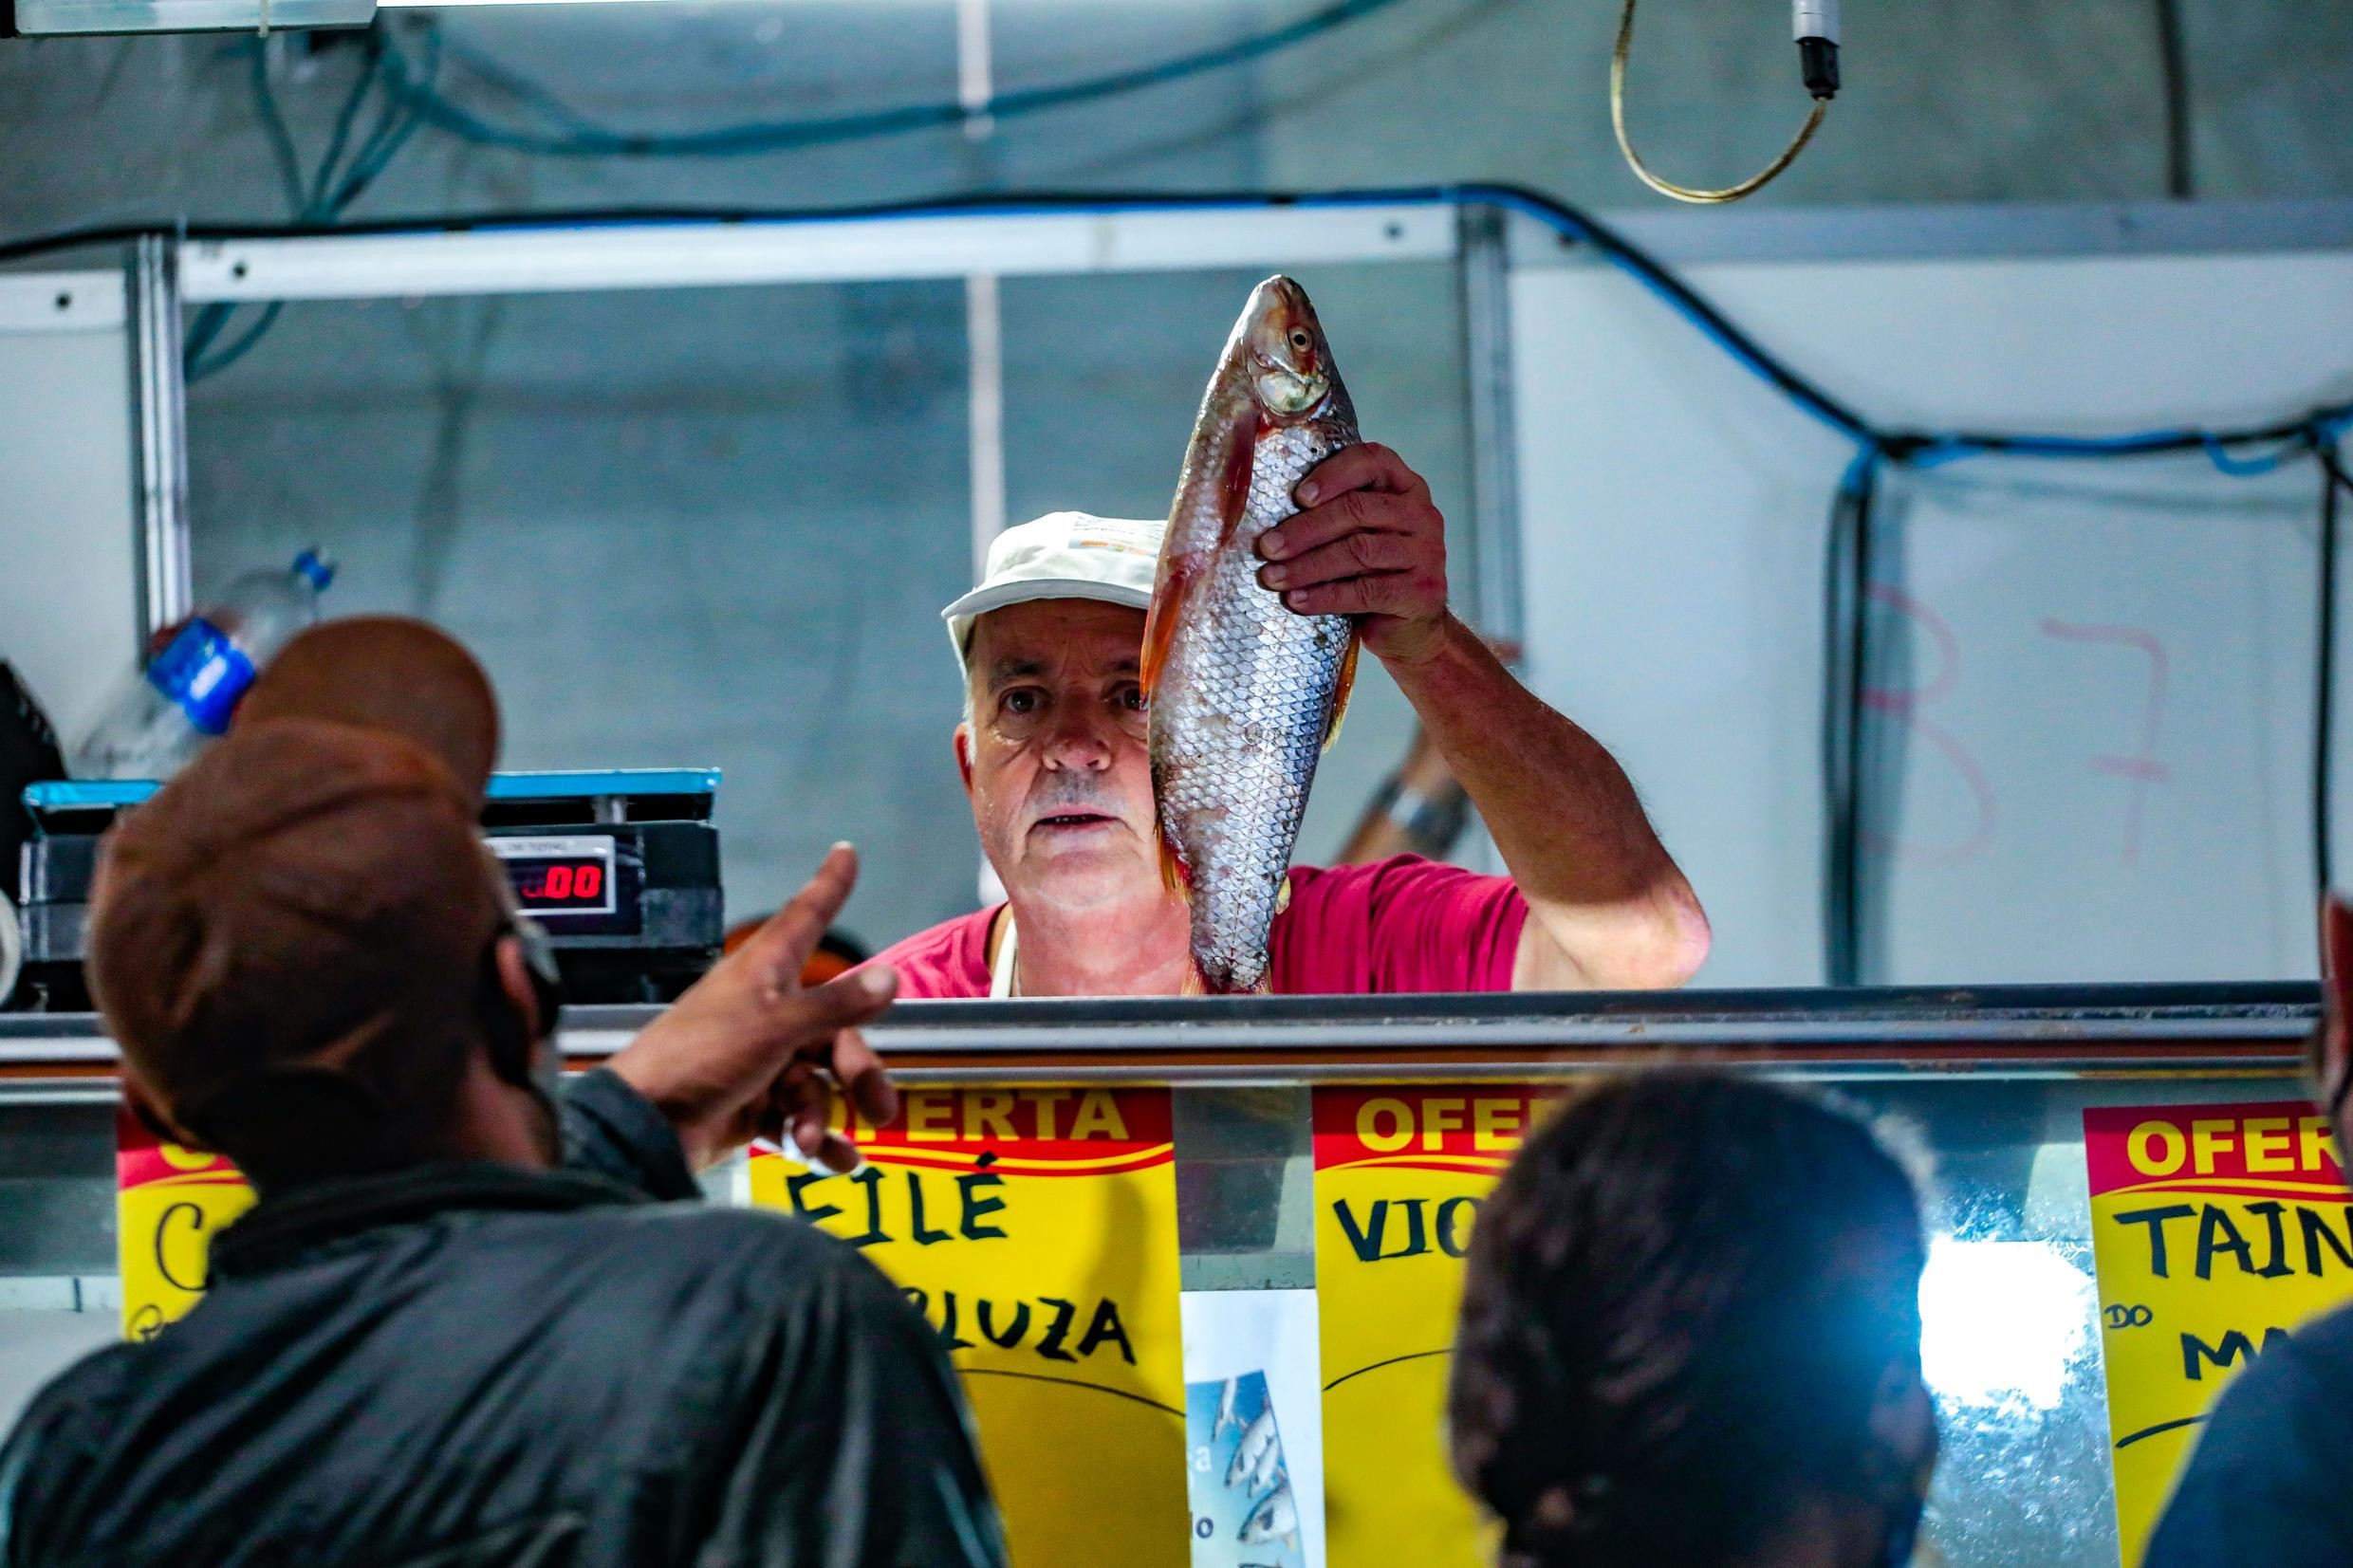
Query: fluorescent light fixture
[
  {"x": 2001, "y": 1322},
  {"x": 530, "y": 259},
  {"x": 437, "y": 5}
]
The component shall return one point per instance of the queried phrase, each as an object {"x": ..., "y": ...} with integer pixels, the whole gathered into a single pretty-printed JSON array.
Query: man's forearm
[{"x": 1616, "y": 912}]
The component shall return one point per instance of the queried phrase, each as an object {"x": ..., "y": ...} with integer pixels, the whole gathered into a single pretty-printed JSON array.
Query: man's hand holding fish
[
  {"x": 1145, "y": 707},
  {"x": 1368, "y": 542}
]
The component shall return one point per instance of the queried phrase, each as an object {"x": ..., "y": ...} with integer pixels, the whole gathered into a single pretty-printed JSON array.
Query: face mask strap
[{"x": 541, "y": 1061}]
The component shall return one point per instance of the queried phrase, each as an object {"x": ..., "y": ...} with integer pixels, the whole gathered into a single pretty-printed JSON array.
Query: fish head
[
  {"x": 1290, "y": 364},
  {"x": 1275, "y": 1518}
]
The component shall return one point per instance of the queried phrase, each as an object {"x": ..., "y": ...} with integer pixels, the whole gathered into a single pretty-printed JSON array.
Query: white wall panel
[
  {"x": 2053, "y": 815},
  {"x": 67, "y": 598}
]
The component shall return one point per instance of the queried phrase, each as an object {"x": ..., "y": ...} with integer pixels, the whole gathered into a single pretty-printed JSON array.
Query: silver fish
[
  {"x": 1257, "y": 1440},
  {"x": 1270, "y": 1466},
  {"x": 1245, "y": 694},
  {"x": 1276, "y": 1518},
  {"x": 1225, "y": 1410}
]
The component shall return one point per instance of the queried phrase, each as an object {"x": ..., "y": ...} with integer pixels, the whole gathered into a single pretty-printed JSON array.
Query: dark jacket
[
  {"x": 467, "y": 1365},
  {"x": 2267, "y": 1482}
]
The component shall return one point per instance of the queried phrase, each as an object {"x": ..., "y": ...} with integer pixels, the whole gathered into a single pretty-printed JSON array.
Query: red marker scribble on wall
[
  {"x": 1905, "y": 705},
  {"x": 2143, "y": 768}
]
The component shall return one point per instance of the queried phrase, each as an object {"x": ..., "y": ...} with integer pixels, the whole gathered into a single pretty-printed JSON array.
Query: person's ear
[
  {"x": 1904, "y": 1422},
  {"x": 514, "y": 978},
  {"x": 149, "y": 1113},
  {"x": 964, "y": 756},
  {"x": 2337, "y": 955},
  {"x": 2336, "y": 991}
]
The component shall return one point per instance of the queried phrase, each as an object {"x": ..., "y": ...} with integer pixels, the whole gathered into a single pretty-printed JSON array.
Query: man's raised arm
[{"x": 1611, "y": 910}]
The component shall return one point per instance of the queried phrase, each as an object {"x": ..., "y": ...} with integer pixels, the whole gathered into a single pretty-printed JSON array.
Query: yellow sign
[
  {"x": 1036, "y": 1230},
  {"x": 2215, "y": 1230},
  {"x": 1400, "y": 1175},
  {"x": 168, "y": 1202}
]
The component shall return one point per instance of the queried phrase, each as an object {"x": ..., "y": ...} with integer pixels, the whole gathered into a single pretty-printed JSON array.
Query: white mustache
[{"x": 1069, "y": 795}]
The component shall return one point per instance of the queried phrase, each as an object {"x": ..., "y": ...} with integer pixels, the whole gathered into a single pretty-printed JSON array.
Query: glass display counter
[{"x": 1994, "y": 1082}]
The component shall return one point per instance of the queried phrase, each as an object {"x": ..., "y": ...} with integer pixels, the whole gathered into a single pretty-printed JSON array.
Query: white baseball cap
[{"x": 1061, "y": 555}]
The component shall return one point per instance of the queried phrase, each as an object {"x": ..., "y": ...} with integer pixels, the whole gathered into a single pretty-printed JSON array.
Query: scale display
[{"x": 571, "y": 874}]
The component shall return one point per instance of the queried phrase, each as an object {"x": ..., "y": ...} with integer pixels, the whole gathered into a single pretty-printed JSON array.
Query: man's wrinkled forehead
[
  {"x": 1045, "y": 637},
  {"x": 1016, "y": 668}
]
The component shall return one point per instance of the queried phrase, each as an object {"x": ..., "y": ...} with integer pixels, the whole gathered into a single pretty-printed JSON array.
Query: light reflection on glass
[{"x": 2000, "y": 1322}]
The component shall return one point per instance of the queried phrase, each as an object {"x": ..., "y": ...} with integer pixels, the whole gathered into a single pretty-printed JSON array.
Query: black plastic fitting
[{"x": 1817, "y": 58}]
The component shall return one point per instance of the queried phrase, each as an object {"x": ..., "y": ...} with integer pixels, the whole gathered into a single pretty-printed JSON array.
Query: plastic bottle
[{"x": 162, "y": 717}]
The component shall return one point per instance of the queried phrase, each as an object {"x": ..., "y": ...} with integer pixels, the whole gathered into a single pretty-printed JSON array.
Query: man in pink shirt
[{"x": 1051, "y": 752}]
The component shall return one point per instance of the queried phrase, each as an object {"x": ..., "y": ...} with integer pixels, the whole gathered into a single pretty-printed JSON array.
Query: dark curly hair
[{"x": 1682, "y": 1301}]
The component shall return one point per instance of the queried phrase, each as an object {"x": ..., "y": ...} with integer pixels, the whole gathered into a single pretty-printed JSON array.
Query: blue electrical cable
[
  {"x": 412, "y": 102},
  {"x": 1678, "y": 296},
  {"x": 2334, "y": 484},
  {"x": 318, "y": 201},
  {"x": 1846, "y": 575},
  {"x": 585, "y": 137},
  {"x": 2316, "y": 431},
  {"x": 1914, "y": 448},
  {"x": 1911, "y": 448}
]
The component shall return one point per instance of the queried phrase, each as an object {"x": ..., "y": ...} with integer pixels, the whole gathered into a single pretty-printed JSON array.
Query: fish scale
[{"x": 1245, "y": 691}]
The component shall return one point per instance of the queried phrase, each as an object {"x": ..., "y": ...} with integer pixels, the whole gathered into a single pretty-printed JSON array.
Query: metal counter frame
[
  {"x": 1989, "y": 1087},
  {"x": 2255, "y": 1029}
]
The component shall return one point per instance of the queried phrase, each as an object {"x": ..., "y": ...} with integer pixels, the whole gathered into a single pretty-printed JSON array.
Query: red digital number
[
  {"x": 558, "y": 882},
  {"x": 589, "y": 881}
]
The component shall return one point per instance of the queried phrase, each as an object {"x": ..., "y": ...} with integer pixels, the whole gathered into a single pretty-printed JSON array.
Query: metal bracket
[
  {"x": 161, "y": 553},
  {"x": 1485, "y": 269}
]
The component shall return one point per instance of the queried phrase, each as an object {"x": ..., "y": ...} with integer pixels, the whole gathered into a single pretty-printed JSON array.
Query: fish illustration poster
[
  {"x": 1246, "y": 1512},
  {"x": 1035, "y": 1228},
  {"x": 1400, "y": 1175},
  {"x": 2216, "y": 1229},
  {"x": 169, "y": 1204}
]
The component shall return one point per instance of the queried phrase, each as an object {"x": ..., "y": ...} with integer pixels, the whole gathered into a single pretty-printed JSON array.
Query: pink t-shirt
[{"x": 1401, "y": 924}]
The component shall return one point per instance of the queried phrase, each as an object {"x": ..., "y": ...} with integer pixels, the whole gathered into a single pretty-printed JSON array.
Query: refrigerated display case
[{"x": 1994, "y": 1082}]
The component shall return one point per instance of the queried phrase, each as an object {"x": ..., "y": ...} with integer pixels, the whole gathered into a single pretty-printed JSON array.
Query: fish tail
[{"x": 1197, "y": 983}]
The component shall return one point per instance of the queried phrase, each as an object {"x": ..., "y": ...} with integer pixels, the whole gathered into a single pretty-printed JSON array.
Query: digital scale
[{"x": 621, "y": 868}]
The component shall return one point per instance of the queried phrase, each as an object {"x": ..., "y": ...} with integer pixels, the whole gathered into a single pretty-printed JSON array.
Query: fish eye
[{"x": 1300, "y": 341}]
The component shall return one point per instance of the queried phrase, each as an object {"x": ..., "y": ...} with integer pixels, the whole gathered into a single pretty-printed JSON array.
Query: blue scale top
[{"x": 100, "y": 794}]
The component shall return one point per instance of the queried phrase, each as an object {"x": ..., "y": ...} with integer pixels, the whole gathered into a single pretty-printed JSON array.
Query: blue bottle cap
[
  {"x": 321, "y": 571},
  {"x": 203, "y": 673}
]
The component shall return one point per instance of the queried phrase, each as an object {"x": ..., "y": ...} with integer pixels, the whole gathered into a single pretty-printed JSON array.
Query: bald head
[{"x": 391, "y": 674}]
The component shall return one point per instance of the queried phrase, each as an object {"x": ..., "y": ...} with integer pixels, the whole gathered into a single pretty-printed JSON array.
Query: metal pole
[
  {"x": 984, "y": 319},
  {"x": 984, "y": 341},
  {"x": 976, "y": 80},
  {"x": 984, "y": 333},
  {"x": 1495, "y": 447},
  {"x": 164, "y": 589}
]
